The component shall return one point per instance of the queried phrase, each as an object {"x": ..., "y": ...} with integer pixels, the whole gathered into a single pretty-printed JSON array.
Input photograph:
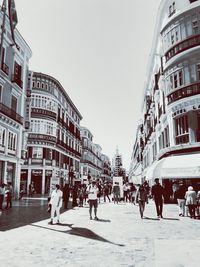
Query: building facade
[
  {"x": 13, "y": 83},
  {"x": 91, "y": 162},
  {"x": 53, "y": 129},
  {"x": 170, "y": 148},
  {"x": 106, "y": 169}
]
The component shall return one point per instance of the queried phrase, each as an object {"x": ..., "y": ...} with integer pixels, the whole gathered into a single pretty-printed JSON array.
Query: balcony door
[{"x": 14, "y": 103}]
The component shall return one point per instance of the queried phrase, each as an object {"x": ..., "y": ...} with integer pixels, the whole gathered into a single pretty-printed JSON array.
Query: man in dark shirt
[{"x": 157, "y": 194}]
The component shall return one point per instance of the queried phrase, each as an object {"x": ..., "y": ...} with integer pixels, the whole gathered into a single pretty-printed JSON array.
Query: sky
[{"x": 98, "y": 50}]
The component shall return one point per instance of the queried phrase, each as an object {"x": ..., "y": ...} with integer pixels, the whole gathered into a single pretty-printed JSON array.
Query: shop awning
[{"x": 177, "y": 167}]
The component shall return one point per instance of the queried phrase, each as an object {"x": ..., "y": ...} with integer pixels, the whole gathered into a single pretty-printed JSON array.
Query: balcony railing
[
  {"x": 5, "y": 68},
  {"x": 182, "y": 139},
  {"x": 16, "y": 79},
  {"x": 182, "y": 46},
  {"x": 35, "y": 112},
  {"x": 187, "y": 91},
  {"x": 10, "y": 113}
]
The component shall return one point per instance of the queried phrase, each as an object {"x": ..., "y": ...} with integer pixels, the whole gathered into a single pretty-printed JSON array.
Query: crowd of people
[
  {"x": 6, "y": 192},
  {"x": 188, "y": 199}
]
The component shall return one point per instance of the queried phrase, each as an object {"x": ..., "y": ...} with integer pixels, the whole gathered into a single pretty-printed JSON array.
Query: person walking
[
  {"x": 157, "y": 192},
  {"x": 56, "y": 203},
  {"x": 92, "y": 191},
  {"x": 2, "y": 194},
  {"x": 9, "y": 194},
  {"x": 116, "y": 192},
  {"x": 191, "y": 201},
  {"x": 141, "y": 199},
  {"x": 180, "y": 196},
  {"x": 106, "y": 192},
  {"x": 66, "y": 192}
]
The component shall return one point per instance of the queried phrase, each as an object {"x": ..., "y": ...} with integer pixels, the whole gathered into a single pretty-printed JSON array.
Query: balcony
[
  {"x": 42, "y": 137},
  {"x": 5, "y": 68},
  {"x": 187, "y": 91},
  {"x": 10, "y": 113},
  {"x": 183, "y": 46},
  {"x": 16, "y": 79},
  {"x": 182, "y": 139},
  {"x": 39, "y": 112}
]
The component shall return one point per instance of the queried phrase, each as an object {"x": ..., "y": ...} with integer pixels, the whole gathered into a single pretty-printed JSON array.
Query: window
[
  {"x": 1, "y": 92},
  {"x": 198, "y": 71},
  {"x": 12, "y": 141},
  {"x": 172, "y": 9},
  {"x": 2, "y": 136},
  {"x": 14, "y": 103},
  {"x": 37, "y": 152},
  {"x": 181, "y": 130},
  {"x": 195, "y": 26}
]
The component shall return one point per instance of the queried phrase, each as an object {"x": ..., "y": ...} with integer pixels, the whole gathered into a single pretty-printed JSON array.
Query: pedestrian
[
  {"x": 66, "y": 192},
  {"x": 31, "y": 189},
  {"x": 99, "y": 191},
  {"x": 56, "y": 203},
  {"x": 198, "y": 204},
  {"x": 80, "y": 195},
  {"x": 9, "y": 194},
  {"x": 132, "y": 193},
  {"x": 141, "y": 198},
  {"x": 106, "y": 192},
  {"x": 92, "y": 191},
  {"x": 85, "y": 195},
  {"x": 74, "y": 196},
  {"x": 191, "y": 201},
  {"x": 116, "y": 192},
  {"x": 126, "y": 191},
  {"x": 180, "y": 196},
  {"x": 2, "y": 194},
  {"x": 157, "y": 193}
]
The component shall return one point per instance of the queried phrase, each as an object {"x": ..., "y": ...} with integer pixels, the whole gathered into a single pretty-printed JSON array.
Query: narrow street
[{"x": 119, "y": 238}]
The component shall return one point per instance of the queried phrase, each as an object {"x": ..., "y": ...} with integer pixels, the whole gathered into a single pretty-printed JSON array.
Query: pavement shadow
[
  {"x": 102, "y": 220},
  {"x": 148, "y": 218},
  {"x": 79, "y": 231},
  {"x": 171, "y": 219}
]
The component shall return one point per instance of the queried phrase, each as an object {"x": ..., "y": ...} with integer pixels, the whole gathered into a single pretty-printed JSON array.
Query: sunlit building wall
[{"x": 171, "y": 105}]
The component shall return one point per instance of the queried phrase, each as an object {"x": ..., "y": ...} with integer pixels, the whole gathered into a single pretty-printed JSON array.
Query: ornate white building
[
  {"x": 170, "y": 148},
  {"x": 53, "y": 127}
]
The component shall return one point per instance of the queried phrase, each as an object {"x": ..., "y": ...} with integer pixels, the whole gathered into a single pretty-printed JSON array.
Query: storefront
[
  {"x": 36, "y": 179},
  {"x": 24, "y": 181},
  {"x": 48, "y": 175},
  {"x": 176, "y": 168}
]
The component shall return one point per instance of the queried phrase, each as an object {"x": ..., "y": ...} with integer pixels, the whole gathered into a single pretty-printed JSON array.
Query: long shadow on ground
[
  {"x": 80, "y": 231},
  {"x": 24, "y": 212}
]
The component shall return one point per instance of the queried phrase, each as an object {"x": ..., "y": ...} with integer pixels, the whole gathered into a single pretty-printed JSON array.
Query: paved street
[
  {"x": 119, "y": 238},
  {"x": 25, "y": 211}
]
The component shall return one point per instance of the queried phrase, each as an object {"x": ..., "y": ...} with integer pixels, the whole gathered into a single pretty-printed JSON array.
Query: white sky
[{"x": 98, "y": 50}]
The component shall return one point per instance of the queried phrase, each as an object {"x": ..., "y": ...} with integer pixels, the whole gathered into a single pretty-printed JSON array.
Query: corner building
[
  {"x": 170, "y": 134},
  {"x": 53, "y": 127},
  {"x": 13, "y": 82}
]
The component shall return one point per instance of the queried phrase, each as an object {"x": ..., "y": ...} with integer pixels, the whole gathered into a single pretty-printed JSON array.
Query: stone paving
[{"x": 119, "y": 238}]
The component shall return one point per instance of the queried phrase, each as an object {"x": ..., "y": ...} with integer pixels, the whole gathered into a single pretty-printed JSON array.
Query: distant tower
[{"x": 117, "y": 168}]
